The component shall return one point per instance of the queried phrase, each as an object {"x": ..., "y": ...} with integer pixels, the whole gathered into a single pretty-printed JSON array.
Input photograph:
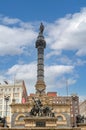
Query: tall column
[{"x": 40, "y": 45}]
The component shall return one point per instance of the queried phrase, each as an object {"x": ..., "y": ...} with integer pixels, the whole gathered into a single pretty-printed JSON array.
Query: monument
[
  {"x": 41, "y": 110},
  {"x": 40, "y": 45},
  {"x": 40, "y": 115}
]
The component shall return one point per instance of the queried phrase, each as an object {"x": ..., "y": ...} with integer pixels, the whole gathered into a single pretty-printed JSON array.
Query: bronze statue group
[{"x": 39, "y": 110}]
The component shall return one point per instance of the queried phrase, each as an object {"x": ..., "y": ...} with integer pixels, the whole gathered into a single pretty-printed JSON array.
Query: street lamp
[
  {"x": 74, "y": 114},
  {"x": 6, "y": 99}
]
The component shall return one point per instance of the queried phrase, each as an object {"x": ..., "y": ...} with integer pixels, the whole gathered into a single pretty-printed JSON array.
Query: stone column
[{"x": 40, "y": 45}]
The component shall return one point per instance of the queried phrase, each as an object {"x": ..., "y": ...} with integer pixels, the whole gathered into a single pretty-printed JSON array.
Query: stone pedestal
[
  {"x": 34, "y": 122},
  {"x": 40, "y": 87},
  {"x": 1, "y": 125},
  {"x": 82, "y": 126}
]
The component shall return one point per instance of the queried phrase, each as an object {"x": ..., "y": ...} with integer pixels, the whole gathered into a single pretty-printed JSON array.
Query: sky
[{"x": 65, "y": 52}]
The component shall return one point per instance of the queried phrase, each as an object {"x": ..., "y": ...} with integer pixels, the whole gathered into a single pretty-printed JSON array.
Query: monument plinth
[
  {"x": 33, "y": 122},
  {"x": 40, "y": 116}
]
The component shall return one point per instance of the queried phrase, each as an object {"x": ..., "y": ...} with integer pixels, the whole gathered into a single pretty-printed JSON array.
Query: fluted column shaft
[
  {"x": 40, "y": 65},
  {"x": 40, "y": 45}
]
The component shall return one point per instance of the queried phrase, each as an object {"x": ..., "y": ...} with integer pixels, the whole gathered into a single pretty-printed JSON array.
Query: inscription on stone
[{"x": 40, "y": 124}]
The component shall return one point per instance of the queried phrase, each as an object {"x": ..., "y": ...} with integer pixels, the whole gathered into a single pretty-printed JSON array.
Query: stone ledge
[{"x": 42, "y": 128}]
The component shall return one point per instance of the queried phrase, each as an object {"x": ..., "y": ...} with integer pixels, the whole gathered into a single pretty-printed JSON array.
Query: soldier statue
[{"x": 41, "y": 29}]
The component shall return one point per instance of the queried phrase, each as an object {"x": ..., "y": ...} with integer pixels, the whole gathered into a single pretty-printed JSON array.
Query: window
[
  {"x": 1, "y": 101},
  {"x": 17, "y": 100},
  {"x": 76, "y": 111},
  {"x": 76, "y": 102},
  {"x": 21, "y": 118},
  {"x": 76, "y": 106},
  {"x": 17, "y": 89},
  {"x": 0, "y": 107},
  {"x": 0, "y": 113},
  {"x": 9, "y": 89},
  {"x": 1, "y": 90},
  {"x": 8, "y": 113},
  {"x": 60, "y": 118},
  {"x": 13, "y": 89},
  {"x": 5, "y": 89},
  {"x": 16, "y": 94}
]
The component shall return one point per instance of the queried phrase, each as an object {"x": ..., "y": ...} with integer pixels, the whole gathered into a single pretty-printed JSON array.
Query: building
[
  {"x": 11, "y": 92},
  {"x": 74, "y": 108},
  {"x": 82, "y": 108},
  {"x": 73, "y": 100}
]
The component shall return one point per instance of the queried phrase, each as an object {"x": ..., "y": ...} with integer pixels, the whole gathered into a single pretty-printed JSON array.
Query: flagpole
[{"x": 67, "y": 87}]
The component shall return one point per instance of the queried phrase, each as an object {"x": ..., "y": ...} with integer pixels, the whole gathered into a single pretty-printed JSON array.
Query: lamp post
[
  {"x": 6, "y": 99},
  {"x": 13, "y": 100},
  {"x": 74, "y": 115}
]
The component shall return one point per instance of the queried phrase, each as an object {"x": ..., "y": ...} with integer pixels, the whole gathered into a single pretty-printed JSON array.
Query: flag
[
  {"x": 23, "y": 100},
  {"x": 6, "y": 82}
]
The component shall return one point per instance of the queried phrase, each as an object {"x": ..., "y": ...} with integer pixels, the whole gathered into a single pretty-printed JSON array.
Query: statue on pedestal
[
  {"x": 80, "y": 119},
  {"x": 41, "y": 29}
]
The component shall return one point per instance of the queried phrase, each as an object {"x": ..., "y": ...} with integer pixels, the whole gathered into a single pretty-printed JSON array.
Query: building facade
[
  {"x": 82, "y": 108},
  {"x": 74, "y": 108},
  {"x": 62, "y": 106},
  {"x": 9, "y": 93}
]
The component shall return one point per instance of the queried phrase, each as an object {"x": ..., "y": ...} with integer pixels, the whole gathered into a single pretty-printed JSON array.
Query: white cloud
[
  {"x": 63, "y": 82},
  {"x": 53, "y": 53},
  {"x": 6, "y": 20},
  {"x": 15, "y": 36},
  {"x": 57, "y": 70},
  {"x": 79, "y": 62},
  {"x": 25, "y": 71},
  {"x": 54, "y": 74},
  {"x": 68, "y": 33},
  {"x": 13, "y": 41},
  {"x": 66, "y": 60},
  {"x": 28, "y": 72}
]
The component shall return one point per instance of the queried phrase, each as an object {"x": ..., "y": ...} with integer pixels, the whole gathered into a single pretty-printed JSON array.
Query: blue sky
[{"x": 65, "y": 35}]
